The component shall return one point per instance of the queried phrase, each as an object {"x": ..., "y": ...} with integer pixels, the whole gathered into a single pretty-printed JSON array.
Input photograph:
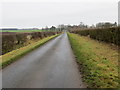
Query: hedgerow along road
[{"x": 52, "y": 65}]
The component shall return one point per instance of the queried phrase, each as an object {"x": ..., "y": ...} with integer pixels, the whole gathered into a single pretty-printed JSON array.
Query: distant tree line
[
  {"x": 62, "y": 27},
  {"x": 9, "y": 29},
  {"x": 81, "y": 26},
  {"x": 106, "y": 25}
]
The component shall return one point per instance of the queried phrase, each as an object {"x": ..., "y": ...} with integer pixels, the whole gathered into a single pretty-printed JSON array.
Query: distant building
[{"x": 119, "y": 13}]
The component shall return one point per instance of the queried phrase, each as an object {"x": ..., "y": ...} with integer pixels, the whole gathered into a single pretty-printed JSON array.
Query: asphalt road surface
[{"x": 49, "y": 66}]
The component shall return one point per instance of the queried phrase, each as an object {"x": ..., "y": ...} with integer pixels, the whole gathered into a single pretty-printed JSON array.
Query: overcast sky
[{"x": 41, "y": 13}]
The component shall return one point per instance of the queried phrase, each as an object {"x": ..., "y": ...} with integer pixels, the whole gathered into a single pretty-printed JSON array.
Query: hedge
[
  {"x": 109, "y": 35},
  {"x": 12, "y": 41}
]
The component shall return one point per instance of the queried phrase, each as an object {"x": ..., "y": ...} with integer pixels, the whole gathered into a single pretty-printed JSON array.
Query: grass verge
[
  {"x": 10, "y": 57},
  {"x": 98, "y": 62}
]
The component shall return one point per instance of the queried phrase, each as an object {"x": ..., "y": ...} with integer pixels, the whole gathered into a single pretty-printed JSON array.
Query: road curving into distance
[{"x": 52, "y": 65}]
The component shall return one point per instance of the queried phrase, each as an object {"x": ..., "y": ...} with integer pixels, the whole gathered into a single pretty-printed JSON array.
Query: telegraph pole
[{"x": 119, "y": 13}]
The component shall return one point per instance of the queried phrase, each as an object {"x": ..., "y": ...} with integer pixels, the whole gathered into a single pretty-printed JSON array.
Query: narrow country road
[{"x": 49, "y": 66}]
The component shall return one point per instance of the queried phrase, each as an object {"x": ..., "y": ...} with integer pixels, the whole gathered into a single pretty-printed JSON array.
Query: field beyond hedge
[
  {"x": 98, "y": 61},
  {"x": 21, "y": 30}
]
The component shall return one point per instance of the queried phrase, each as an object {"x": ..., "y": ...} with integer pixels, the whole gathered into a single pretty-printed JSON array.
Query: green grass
[
  {"x": 98, "y": 61},
  {"x": 10, "y": 57},
  {"x": 21, "y": 30}
]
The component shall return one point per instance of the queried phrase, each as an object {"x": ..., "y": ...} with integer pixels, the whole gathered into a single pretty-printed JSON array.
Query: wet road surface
[{"x": 49, "y": 66}]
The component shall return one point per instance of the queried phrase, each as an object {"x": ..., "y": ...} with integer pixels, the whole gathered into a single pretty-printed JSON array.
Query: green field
[{"x": 21, "y": 30}]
